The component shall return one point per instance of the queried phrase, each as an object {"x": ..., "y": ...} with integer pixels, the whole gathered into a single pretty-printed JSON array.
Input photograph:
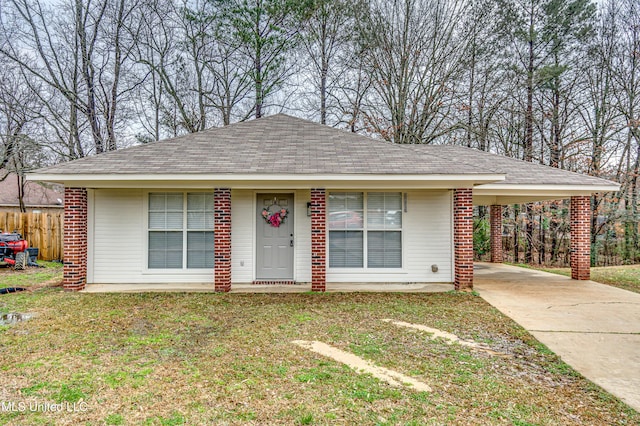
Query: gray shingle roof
[
  {"x": 278, "y": 144},
  {"x": 35, "y": 194},
  {"x": 281, "y": 144},
  {"x": 517, "y": 171}
]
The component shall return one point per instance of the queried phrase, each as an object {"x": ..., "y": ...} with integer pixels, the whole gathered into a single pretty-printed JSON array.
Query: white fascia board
[
  {"x": 507, "y": 194},
  {"x": 506, "y": 200},
  {"x": 542, "y": 189},
  {"x": 248, "y": 181}
]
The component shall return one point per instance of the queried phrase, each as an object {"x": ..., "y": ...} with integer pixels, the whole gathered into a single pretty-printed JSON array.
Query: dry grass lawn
[
  {"x": 626, "y": 277},
  {"x": 170, "y": 359}
]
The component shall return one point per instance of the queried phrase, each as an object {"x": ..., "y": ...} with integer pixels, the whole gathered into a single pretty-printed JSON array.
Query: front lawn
[
  {"x": 48, "y": 274},
  {"x": 209, "y": 358},
  {"x": 626, "y": 277}
]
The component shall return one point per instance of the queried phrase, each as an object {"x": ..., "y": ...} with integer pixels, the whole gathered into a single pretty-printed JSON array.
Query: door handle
[{"x": 291, "y": 240}]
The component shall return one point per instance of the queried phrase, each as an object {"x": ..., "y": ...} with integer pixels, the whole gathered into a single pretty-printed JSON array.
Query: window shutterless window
[
  {"x": 180, "y": 230},
  {"x": 358, "y": 235},
  {"x": 384, "y": 230},
  {"x": 346, "y": 229}
]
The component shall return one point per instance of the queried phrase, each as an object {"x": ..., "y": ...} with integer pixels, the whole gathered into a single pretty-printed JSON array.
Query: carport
[
  {"x": 582, "y": 322},
  {"x": 526, "y": 183}
]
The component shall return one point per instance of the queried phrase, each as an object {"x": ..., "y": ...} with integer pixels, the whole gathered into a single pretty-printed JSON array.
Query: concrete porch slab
[{"x": 256, "y": 288}]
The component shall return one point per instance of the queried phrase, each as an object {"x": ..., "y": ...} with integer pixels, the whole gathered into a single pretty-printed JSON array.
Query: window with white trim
[
  {"x": 180, "y": 230},
  {"x": 370, "y": 236}
]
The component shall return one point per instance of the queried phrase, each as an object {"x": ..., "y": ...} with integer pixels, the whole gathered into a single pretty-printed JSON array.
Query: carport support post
[
  {"x": 463, "y": 238},
  {"x": 580, "y": 215},
  {"x": 222, "y": 239},
  {"x": 496, "y": 233},
  {"x": 74, "y": 273},
  {"x": 318, "y": 239}
]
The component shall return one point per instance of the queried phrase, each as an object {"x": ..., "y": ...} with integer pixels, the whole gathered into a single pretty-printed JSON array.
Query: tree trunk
[
  {"x": 528, "y": 139},
  {"x": 23, "y": 208},
  {"x": 528, "y": 254},
  {"x": 516, "y": 234},
  {"x": 542, "y": 236},
  {"x": 323, "y": 74}
]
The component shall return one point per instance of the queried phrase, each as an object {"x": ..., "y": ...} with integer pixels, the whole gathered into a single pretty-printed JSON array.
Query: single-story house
[
  {"x": 35, "y": 195},
  {"x": 283, "y": 200}
]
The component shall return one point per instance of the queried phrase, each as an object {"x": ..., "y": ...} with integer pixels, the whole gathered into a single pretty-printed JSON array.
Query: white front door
[{"x": 274, "y": 237}]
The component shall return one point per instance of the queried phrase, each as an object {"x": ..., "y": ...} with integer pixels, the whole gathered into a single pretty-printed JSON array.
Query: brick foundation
[
  {"x": 580, "y": 212},
  {"x": 318, "y": 240},
  {"x": 222, "y": 239},
  {"x": 463, "y": 238},
  {"x": 75, "y": 239},
  {"x": 496, "y": 234}
]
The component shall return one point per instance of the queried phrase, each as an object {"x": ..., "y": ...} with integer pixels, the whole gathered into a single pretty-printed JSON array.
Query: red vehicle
[
  {"x": 345, "y": 220},
  {"x": 13, "y": 250}
]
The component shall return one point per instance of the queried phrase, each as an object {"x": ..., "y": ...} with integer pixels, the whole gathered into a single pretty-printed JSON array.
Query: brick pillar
[
  {"x": 463, "y": 238},
  {"x": 222, "y": 239},
  {"x": 580, "y": 213},
  {"x": 496, "y": 234},
  {"x": 318, "y": 240},
  {"x": 75, "y": 239}
]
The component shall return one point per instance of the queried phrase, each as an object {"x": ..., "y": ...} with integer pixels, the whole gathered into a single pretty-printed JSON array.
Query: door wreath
[{"x": 275, "y": 219}]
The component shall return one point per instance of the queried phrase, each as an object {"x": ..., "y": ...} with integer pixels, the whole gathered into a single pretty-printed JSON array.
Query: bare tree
[
  {"x": 414, "y": 55},
  {"x": 78, "y": 50},
  {"x": 326, "y": 34},
  {"x": 172, "y": 44},
  {"x": 626, "y": 75},
  {"x": 483, "y": 88},
  {"x": 19, "y": 111}
]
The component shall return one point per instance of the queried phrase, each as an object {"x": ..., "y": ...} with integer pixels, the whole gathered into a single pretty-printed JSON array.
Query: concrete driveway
[{"x": 593, "y": 327}]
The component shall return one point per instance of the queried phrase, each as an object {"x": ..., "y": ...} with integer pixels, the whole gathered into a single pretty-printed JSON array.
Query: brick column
[
  {"x": 75, "y": 239},
  {"x": 318, "y": 240},
  {"x": 222, "y": 239},
  {"x": 580, "y": 212},
  {"x": 463, "y": 238},
  {"x": 496, "y": 234}
]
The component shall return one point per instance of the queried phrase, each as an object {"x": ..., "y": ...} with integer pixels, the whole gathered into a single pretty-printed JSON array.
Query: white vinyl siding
[
  {"x": 119, "y": 239},
  {"x": 243, "y": 214},
  {"x": 118, "y": 244},
  {"x": 302, "y": 237}
]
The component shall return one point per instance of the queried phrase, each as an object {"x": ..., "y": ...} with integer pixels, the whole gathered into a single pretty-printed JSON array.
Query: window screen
[
  {"x": 384, "y": 224},
  {"x": 358, "y": 221},
  {"x": 180, "y": 230},
  {"x": 346, "y": 222}
]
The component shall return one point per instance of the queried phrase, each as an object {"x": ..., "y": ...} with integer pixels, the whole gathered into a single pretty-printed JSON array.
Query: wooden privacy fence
[{"x": 41, "y": 230}]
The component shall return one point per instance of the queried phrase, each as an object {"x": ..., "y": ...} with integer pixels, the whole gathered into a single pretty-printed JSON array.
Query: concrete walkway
[
  {"x": 253, "y": 288},
  {"x": 593, "y": 327}
]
